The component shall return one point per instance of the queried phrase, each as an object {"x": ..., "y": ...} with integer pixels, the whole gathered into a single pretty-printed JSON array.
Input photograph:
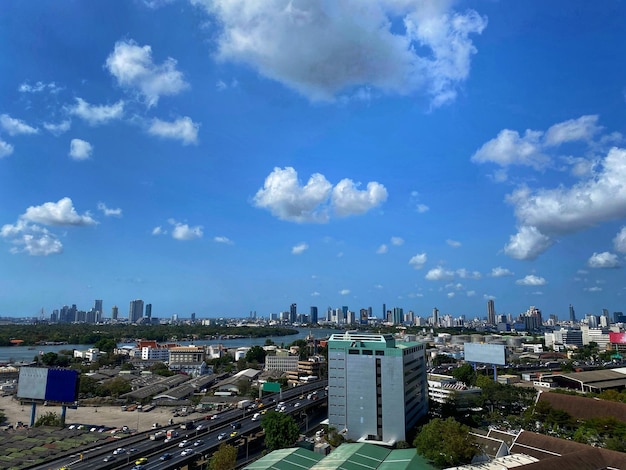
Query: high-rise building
[
  {"x": 572, "y": 315},
  {"x": 98, "y": 307},
  {"x": 148, "y": 313},
  {"x": 491, "y": 312},
  {"x": 435, "y": 317},
  {"x": 313, "y": 316},
  {"x": 114, "y": 312},
  {"x": 293, "y": 313},
  {"x": 377, "y": 388},
  {"x": 398, "y": 316},
  {"x": 135, "y": 311}
]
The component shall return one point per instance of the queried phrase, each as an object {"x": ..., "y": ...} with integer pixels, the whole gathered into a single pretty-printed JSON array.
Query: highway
[{"x": 201, "y": 442}]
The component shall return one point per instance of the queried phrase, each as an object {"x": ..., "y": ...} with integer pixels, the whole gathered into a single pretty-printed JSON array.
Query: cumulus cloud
[
  {"x": 14, "y": 126},
  {"x": 158, "y": 231},
  {"x": 58, "y": 129},
  {"x": 465, "y": 274},
  {"x": 382, "y": 249},
  {"x": 299, "y": 248},
  {"x": 421, "y": 208},
  {"x": 619, "y": 242},
  {"x": 604, "y": 260},
  {"x": 284, "y": 196},
  {"x": 451, "y": 294},
  {"x": 527, "y": 244},
  {"x": 224, "y": 240},
  {"x": 322, "y": 50},
  {"x": 185, "y": 232},
  {"x": 80, "y": 149},
  {"x": 347, "y": 199},
  {"x": 133, "y": 68},
  {"x": 511, "y": 148},
  {"x": 453, "y": 243},
  {"x": 60, "y": 213},
  {"x": 439, "y": 274},
  {"x": 39, "y": 87},
  {"x": 6, "y": 149},
  {"x": 418, "y": 261},
  {"x": 183, "y": 129},
  {"x": 109, "y": 212},
  {"x": 315, "y": 294},
  {"x": 531, "y": 280},
  {"x": 471, "y": 293},
  {"x": 397, "y": 241},
  {"x": 31, "y": 239},
  {"x": 96, "y": 115},
  {"x": 344, "y": 291},
  {"x": 585, "y": 204},
  {"x": 593, "y": 289},
  {"x": 501, "y": 272}
]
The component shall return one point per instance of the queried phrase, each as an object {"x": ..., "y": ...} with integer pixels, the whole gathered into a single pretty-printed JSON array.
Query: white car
[
  {"x": 119, "y": 450},
  {"x": 186, "y": 452},
  {"x": 183, "y": 443}
]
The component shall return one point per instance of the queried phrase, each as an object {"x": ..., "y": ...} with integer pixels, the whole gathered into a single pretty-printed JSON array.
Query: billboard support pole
[
  {"x": 33, "y": 412},
  {"x": 495, "y": 373},
  {"x": 63, "y": 412}
]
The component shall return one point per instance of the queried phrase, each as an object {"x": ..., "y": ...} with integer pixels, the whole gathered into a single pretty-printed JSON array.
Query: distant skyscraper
[
  {"x": 491, "y": 312},
  {"x": 313, "y": 318},
  {"x": 114, "y": 312},
  {"x": 98, "y": 306},
  {"x": 572, "y": 315},
  {"x": 193, "y": 317},
  {"x": 293, "y": 313},
  {"x": 435, "y": 317},
  {"x": 398, "y": 316},
  {"x": 148, "y": 310},
  {"x": 135, "y": 311}
]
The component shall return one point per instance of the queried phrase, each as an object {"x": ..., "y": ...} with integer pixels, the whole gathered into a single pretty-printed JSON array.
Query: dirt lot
[{"x": 111, "y": 416}]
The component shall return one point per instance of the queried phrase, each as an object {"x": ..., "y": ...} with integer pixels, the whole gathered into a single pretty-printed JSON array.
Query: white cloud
[
  {"x": 39, "y": 87},
  {"x": 225, "y": 240},
  {"x": 418, "y": 261},
  {"x": 566, "y": 210},
  {"x": 324, "y": 49},
  {"x": 489, "y": 297},
  {"x": 603, "y": 260},
  {"x": 315, "y": 294},
  {"x": 58, "y": 129},
  {"x": 451, "y": 294},
  {"x": 439, "y": 274},
  {"x": 14, "y": 126},
  {"x": 184, "y": 231},
  {"x": 31, "y": 238},
  {"x": 80, "y": 149},
  {"x": 183, "y": 129},
  {"x": 6, "y": 149},
  {"x": 158, "y": 231},
  {"x": 299, "y": 248},
  {"x": 378, "y": 286},
  {"x": 527, "y": 244},
  {"x": 96, "y": 115},
  {"x": 593, "y": 289},
  {"x": 453, "y": 243},
  {"x": 344, "y": 291},
  {"x": 619, "y": 242},
  {"x": 133, "y": 68},
  {"x": 108, "y": 211},
  {"x": 382, "y": 249},
  {"x": 348, "y": 200},
  {"x": 284, "y": 196},
  {"x": 465, "y": 274},
  {"x": 531, "y": 280},
  {"x": 57, "y": 213},
  {"x": 421, "y": 208},
  {"x": 471, "y": 293},
  {"x": 501, "y": 272},
  {"x": 397, "y": 241},
  {"x": 509, "y": 148},
  {"x": 583, "y": 128}
]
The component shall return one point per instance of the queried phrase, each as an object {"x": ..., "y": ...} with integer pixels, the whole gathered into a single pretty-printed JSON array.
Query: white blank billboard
[
  {"x": 32, "y": 383},
  {"x": 485, "y": 353}
]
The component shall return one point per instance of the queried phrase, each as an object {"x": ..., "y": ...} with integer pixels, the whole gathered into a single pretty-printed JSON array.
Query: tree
[
  {"x": 107, "y": 345},
  {"x": 465, "y": 374},
  {"x": 256, "y": 354},
  {"x": 281, "y": 430},
  {"x": 49, "y": 419},
  {"x": 446, "y": 443},
  {"x": 225, "y": 458}
]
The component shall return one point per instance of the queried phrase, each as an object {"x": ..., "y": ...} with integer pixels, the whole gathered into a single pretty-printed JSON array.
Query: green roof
[{"x": 358, "y": 456}]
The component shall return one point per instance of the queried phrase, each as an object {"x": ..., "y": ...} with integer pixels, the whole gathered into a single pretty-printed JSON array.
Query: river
[{"x": 11, "y": 354}]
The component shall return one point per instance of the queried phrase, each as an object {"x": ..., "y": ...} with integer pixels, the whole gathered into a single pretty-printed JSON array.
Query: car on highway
[
  {"x": 233, "y": 434},
  {"x": 221, "y": 436},
  {"x": 186, "y": 452},
  {"x": 183, "y": 443},
  {"x": 119, "y": 451},
  {"x": 109, "y": 458},
  {"x": 166, "y": 456},
  {"x": 199, "y": 442},
  {"x": 141, "y": 461},
  {"x": 200, "y": 427}
]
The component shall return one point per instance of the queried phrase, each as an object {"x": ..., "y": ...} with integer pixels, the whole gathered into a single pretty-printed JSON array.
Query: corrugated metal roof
[{"x": 286, "y": 459}]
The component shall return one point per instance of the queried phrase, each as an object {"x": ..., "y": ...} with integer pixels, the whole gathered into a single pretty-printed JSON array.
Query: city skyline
[{"x": 423, "y": 154}]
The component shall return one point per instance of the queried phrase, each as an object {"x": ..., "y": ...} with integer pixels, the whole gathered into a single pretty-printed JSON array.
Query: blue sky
[{"x": 225, "y": 156}]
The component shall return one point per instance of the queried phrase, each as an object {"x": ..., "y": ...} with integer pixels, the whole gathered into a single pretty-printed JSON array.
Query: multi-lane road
[{"x": 201, "y": 440}]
